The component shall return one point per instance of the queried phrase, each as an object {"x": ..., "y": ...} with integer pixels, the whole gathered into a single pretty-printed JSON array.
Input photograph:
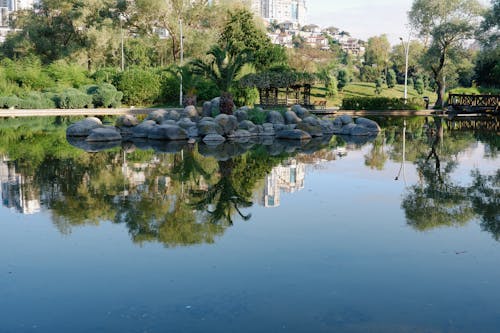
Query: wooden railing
[{"x": 474, "y": 103}]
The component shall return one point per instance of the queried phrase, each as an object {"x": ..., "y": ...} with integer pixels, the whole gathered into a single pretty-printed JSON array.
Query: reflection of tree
[
  {"x": 437, "y": 201},
  {"x": 377, "y": 156}
]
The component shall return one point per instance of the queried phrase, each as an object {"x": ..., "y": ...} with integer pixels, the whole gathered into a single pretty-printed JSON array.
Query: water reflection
[{"x": 179, "y": 193}]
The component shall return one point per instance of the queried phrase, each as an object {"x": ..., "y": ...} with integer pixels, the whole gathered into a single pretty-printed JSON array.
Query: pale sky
[{"x": 363, "y": 18}]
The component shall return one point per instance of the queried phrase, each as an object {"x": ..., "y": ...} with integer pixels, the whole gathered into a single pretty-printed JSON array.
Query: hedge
[
  {"x": 104, "y": 95},
  {"x": 74, "y": 99},
  {"x": 382, "y": 103}
]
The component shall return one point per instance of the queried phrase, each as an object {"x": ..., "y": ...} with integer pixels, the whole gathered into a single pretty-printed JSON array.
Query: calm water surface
[{"x": 265, "y": 237}]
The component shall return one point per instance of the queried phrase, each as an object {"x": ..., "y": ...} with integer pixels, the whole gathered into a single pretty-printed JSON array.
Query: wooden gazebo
[{"x": 283, "y": 88}]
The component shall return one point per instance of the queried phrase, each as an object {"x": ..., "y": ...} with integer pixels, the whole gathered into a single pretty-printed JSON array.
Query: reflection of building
[
  {"x": 17, "y": 190},
  {"x": 288, "y": 177}
]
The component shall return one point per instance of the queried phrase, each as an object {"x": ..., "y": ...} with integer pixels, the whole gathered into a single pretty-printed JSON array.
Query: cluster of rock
[{"x": 189, "y": 124}]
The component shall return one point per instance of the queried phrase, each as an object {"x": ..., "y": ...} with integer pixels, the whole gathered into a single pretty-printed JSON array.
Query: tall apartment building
[
  {"x": 7, "y": 8},
  {"x": 281, "y": 10}
]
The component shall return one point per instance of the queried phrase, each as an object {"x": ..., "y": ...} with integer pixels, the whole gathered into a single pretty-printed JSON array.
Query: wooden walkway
[
  {"x": 462, "y": 103},
  {"x": 73, "y": 112}
]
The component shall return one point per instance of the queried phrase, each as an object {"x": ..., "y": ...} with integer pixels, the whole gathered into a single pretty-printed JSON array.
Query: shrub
[
  {"x": 331, "y": 88},
  {"x": 73, "y": 99},
  {"x": 139, "y": 86},
  {"x": 36, "y": 100},
  {"x": 418, "y": 84},
  {"x": 257, "y": 115},
  {"x": 226, "y": 104},
  {"x": 105, "y": 95},
  {"x": 344, "y": 77},
  {"x": 382, "y": 103},
  {"x": 68, "y": 75},
  {"x": 369, "y": 73},
  {"x": 379, "y": 85},
  {"x": 7, "y": 102},
  {"x": 105, "y": 75},
  {"x": 391, "y": 78}
]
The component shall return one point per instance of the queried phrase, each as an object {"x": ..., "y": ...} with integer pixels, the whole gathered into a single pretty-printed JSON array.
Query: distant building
[
  {"x": 288, "y": 177},
  {"x": 280, "y": 10},
  {"x": 8, "y": 8}
]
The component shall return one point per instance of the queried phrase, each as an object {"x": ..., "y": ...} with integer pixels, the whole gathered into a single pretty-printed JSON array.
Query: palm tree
[{"x": 222, "y": 68}]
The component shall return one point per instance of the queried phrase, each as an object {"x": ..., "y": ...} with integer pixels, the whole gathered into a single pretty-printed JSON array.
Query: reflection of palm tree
[
  {"x": 224, "y": 196},
  {"x": 188, "y": 167}
]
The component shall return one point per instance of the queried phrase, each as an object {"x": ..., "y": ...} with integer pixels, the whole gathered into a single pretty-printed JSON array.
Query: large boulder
[
  {"x": 247, "y": 125},
  {"x": 291, "y": 118},
  {"x": 228, "y": 123},
  {"x": 342, "y": 120},
  {"x": 295, "y": 134},
  {"x": 300, "y": 111},
  {"x": 213, "y": 138},
  {"x": 142, "y": 130},
  {"x": 126, "y": 120},
  {"x": 240, "y": 133},
  {"x": 206, "y": 111},
  {"x": 369, "y": 124},
  {"x": 104, "y": 134},
  {"x": 172, "y": 115},
  {"x": 206, "y": 127},
  {"x": 157, "y": 116},
  {"x": 241, "y": 114},
  {"x": 167, "y": 132},
  {"x": 189, "y": 112},
  {"x": 268, "y": 130},
  {"x": 274, "y": 117},
  {"x": 312, "y": 120},
  {"x": 313, "y": 130},
  {"x": 327, "y": 126},
  {"x": 186, "y": 123},
  {"x": 214, "y": 106},
  {"x": 83, "y": 127}
]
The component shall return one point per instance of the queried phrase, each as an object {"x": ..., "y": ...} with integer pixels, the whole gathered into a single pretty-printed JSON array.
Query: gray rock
[
  {"x": 312, "y": 120},
  {"x": 228, "y": 123},
  {"x": 313, "y": 130},
  {"x": 241, "y": 114},
  {"x": 169, "y": 122},
  {"x": 343, "y": 120},
  {"x": 300, "y": 111},
  {"x": 214, "y": 138},
  {"x": 247, "y": 125},
  {"x": 104, "y": 134},
  {"x": 190, "y": 112},
  {"x": 274, "y": 117},
  {"x": 192, "y": 132},
  {"x": 207, "y": 109},
  {"x": 327, "y": 126},
  {"x": 360, "y": 130},
  {"x": 295, "y": 134},
  {"x": 167, "y": 132},
  {"x": 209, "y": 127},
  {"x": 83, "y": 127},
  {"x": 126, "y": 120},
  {"x": 368, "y": 123},
  {"x": 207, "y": 119},
  {"x": 214, "y": 106},
  {"x": 291, "y": 118},
  {"x": 157, "y": 116},
  {"x": 186, "y": 123},
  {"x": 172, "y": 115},
  {"x": 240, "y": 134},
  {"x": 267, "y": 130},
  {"x": 142, "y": 130},
  {"x": 346, "y": 129}
]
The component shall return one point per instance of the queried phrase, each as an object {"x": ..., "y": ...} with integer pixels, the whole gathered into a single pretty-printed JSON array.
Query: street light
[
  {"x": 122, "y": 18},
  {"x": 182, "y": 60},
  {"x": 407, "y": 50}
]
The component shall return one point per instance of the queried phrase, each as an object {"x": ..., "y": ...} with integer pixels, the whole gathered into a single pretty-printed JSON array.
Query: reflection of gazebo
[{"x": 281, "y": 88}]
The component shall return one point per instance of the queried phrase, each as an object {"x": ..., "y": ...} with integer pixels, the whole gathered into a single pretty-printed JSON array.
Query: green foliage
[
  {"x": 418, "y": 84},
  {"x": 277, "y": 79},
  {"x": 344, "y": 77},
  {"x": 391, "y": 78},
  {"x": 139, "y": 86},
  {"x": 377, "y": 52},
  {"x": 379, "y": 83},
  {"x": 245, "y": 96},
  {"x": 257, "y": 116},
  {"x": 331, "y": 88},
  {"x": 37, "y": 100},
  {"x": 105, "y": 95},
  {"x": 27, "y": 73},
  {"x": 7, "y": 102},
  {"x": 487, "y": 67},
  {"x": 105, "y": 75},
  {"x": 68, "y": 75},
  {"x": 74, "y": 99},
  {"x": 382, "y": 103},
  {"x": 369, "y": 73}
]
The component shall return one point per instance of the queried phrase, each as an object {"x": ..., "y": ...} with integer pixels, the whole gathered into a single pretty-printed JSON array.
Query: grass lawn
[{"x": 366, "y": 89}]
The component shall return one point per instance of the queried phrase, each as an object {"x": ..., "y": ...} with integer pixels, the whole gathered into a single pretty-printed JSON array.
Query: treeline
[{"x": 66, "y": 46}]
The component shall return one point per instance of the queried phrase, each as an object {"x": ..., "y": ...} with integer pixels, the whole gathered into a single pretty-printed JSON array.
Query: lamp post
[
  {"x": 122, "y": 18},
  {"x": 181, "y": 60},
  {"x": 407, "y": 50}
]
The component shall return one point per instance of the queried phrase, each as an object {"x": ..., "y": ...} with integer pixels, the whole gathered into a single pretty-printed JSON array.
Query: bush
[
  {"x": 369, "y": 73},
  {"x": 257, "y": 116},
  {"x": 390, "y": 78},
  {"x": 331, "y": 87},
  {"x": 344, "y": 77},
  {"x": 139, "y": 86},
  {"x": 379, "y": 85},
  {"x": 105, "y": 75},
  {"x": 105, "y": 95},
  {"x": 73, "y": 99},
  {"x": 418, "y": 84},
  {"x": 382, "y": 103},
  {"x": 68, "y": 75},
  {"x": 36, "y": 100},
  {"x": 7, "y": 102}
]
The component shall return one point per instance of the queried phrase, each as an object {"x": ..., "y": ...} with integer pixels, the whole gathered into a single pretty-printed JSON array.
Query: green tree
[
  {"x": 446, "y": 24},
  {"x": 344, "y": 78},
  {"x": 377, "y": 52},
  {"x": 379, "y": 85},
  {"x": 390, "y": 79}
]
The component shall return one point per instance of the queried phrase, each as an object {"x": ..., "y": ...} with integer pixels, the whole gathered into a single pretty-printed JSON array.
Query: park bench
[{"x": 320, "y": 105}]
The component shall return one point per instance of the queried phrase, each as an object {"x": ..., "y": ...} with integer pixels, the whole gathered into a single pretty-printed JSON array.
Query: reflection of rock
[
  {"x": 104, "y": 134},
  {"x": 295, "y": 134},
  {"x": 358, "y": 140},
  {"x": 92, "y": 147},
  {"x": 223, "y": 151},
  {"x": 345, "y": 125},
  {"x": 168, "y": 146},
  {"x": 83, "y": 127},
  {"x": 167, "y": 132}
]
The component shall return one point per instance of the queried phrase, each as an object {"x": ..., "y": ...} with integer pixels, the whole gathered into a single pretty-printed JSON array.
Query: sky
[{"x": 363, "y": 18}]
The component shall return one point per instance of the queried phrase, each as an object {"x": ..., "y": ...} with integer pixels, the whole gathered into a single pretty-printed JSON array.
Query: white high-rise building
[{"x": 281, "y": 10}]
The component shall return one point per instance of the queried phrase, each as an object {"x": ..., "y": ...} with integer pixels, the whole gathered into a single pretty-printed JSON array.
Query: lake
[{"x": 398, "y": 233}]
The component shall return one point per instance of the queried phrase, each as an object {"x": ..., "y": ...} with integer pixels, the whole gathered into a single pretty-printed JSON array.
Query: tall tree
[
  {"x": 445, "y": 24},
  {"x": 377, "y": 53}
]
